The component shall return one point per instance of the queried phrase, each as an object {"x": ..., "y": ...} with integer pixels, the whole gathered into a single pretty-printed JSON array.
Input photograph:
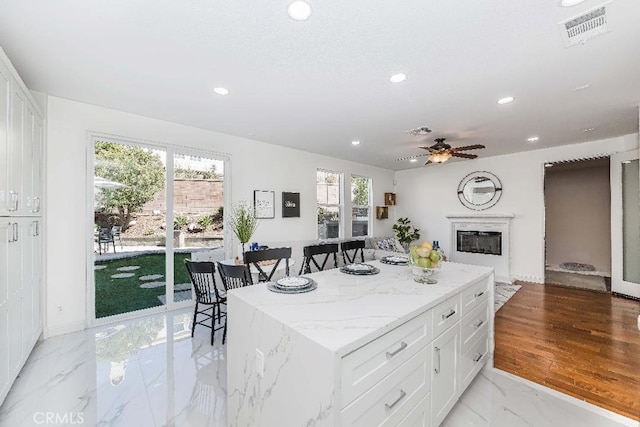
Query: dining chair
[
  {"x": 310, "y": 251},
  {"x": 276, "y": 254},
  {"x": 234, "y": 276},
  {"x": 104, "y": 238},
  {"x": 208, "y": 294},
  {"x": 357, "y": 246}
]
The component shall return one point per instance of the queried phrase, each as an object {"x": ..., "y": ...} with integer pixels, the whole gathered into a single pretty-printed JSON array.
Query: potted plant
[
  {"x": 405, "y": 233},
  {"x": 243, "y": 222}
]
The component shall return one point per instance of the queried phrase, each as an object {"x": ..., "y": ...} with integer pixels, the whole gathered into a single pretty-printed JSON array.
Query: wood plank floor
[{"x": 582, "y": 343}]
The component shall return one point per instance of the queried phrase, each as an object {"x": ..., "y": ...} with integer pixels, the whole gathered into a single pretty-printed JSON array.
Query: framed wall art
[
  {"x": 264, "y": 204},
  {"x": 290, "y": 205}
]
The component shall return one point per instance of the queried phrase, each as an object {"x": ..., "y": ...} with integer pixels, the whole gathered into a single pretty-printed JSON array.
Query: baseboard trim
[
  {"x": 63, "y": 329},
  {"x": 527, "y": 278}
]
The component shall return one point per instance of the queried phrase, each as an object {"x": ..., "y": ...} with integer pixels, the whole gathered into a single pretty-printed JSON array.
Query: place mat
[
  {"x": 360, "y": 269},
  {"x": 394, "y": 260},
  {"x": 273, "y": 287}
]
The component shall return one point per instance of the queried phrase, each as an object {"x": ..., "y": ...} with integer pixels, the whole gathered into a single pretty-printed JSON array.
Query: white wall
[
  {"x": 254, "y": 166},
  {"x": 426, "y": 195}
]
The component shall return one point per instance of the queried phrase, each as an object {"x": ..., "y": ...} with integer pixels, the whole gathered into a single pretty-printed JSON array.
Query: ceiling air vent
[{"x": 584, "y": 27}]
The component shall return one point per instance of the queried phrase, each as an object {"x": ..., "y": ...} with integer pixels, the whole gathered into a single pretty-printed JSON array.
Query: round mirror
[{"x": 479, "y": 190}]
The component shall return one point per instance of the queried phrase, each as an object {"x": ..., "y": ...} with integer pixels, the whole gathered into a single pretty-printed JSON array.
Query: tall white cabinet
[{"x": 21, "y": 139}]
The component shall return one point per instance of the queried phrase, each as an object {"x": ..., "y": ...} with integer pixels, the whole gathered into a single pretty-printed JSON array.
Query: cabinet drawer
[
  {"x": 394, "y": 397},
  {"x": 366, "y": 366},
  {"x": 475, "y": 295},
  {"x": 445, "y": 314},
  {"x": 474, "y": 324},
  {"x": 474, "y": 359},
  {"x": 419, "y": 416}
]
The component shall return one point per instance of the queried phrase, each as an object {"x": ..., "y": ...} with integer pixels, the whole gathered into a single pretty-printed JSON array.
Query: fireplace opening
[{"x": 480, "y": 242}]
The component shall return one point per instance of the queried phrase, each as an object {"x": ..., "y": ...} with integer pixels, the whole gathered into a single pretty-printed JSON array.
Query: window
[
  {"x": 328, "y": 185},
  {"x": 360, "y": 205}
]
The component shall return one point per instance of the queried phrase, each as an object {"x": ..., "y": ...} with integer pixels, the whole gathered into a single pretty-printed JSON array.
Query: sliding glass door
[
  {"x": 153, "y": 207},
  {"x": 625, "y": 224}
]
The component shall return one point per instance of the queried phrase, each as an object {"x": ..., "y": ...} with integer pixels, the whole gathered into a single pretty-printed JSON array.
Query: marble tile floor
[{"x": 149, "y": 372}]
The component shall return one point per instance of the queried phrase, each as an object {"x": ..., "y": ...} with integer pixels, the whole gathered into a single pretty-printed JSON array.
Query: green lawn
[{"x": 116, "y": 296}]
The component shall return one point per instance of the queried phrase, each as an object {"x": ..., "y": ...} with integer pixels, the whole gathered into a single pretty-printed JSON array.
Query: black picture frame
[
  {"x": 290, "y": 205},
  {"x": 264, "y": 204}
]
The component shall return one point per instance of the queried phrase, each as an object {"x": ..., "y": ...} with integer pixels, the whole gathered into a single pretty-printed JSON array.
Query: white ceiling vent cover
[{"x": 584, "y": 27}]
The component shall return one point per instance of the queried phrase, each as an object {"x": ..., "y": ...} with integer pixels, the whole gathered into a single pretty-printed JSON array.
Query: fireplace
[
  {"x": 479, "y": 242},
  {"x": 482, "y": 239}
]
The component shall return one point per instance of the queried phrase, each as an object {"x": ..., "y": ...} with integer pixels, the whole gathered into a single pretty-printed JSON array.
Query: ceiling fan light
[{"x": 439, "y": 157}]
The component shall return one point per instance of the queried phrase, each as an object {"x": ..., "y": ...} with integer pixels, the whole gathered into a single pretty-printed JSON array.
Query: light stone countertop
[{"x": 347, "y": 311}]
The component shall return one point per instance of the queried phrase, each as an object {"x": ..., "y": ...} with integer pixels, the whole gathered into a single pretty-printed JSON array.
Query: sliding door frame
[
  {"x": 618, "y": 284},
  {"x": 170, "y": 150}
]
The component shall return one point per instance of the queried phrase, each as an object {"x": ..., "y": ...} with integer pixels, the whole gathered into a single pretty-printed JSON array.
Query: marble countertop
[{"x": 347, "y": 311}]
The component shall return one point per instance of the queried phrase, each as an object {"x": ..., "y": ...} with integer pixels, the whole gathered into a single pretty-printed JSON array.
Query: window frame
[
  {"x": 340, "y": 205},
  {"x": 369, "y": 205}
]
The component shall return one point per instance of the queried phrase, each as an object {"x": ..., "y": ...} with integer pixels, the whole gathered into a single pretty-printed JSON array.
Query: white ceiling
[{"x": 319, "y": 84}]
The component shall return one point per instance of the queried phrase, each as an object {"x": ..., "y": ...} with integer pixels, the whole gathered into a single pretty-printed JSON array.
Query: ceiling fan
[{"x": 440, "y": 152}]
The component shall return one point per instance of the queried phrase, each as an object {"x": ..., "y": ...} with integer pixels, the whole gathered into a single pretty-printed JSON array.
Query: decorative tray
[
  {"x": 395, "y": 260},
  {"x": 292, "y": 285},
  {"x": 360, "y": 269}
]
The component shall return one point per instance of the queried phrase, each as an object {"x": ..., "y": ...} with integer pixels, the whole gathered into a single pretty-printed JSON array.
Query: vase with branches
[
  {"x": 405, "y": 233},
  {"x": 243, "y": 222}
]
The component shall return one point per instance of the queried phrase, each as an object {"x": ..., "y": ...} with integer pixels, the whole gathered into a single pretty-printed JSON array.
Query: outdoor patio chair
[
  {"x": 208, "y": 294},
  {"x": 277, "y": 254},
  {"x": 357, "y": 246},
  {"x": 116, "y": 232},
  {"x": 309, "y": 252},
  {"x": 104, "y": 238}
]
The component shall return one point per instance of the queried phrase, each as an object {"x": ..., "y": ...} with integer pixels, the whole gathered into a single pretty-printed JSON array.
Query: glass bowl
[{"x": 423, "y": 274}]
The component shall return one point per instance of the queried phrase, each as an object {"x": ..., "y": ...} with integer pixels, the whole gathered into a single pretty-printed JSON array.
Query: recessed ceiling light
[
  {"x": 588, "y": 130},
  {"x": 299, "y": 10},
  {"x": 569, "y": 3},
  {"x": 505, "y": 100},
  {"x": 398, "y": 78},
  {"x": 413, "y": 160},
  {"x": 355, "y": 142},
  {"x": 533, "y": 139},
  {"x": 579, "y": 88},
  {"x": 221, "y": 91},
  {"x": 548, "y": 165}
]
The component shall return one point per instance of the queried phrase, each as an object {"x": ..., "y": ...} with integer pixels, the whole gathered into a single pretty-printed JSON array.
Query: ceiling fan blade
[
  {"x": 468, "y": 147},
  {"x": 428, "y": 148},
  {"x": 464, "y": 155}
]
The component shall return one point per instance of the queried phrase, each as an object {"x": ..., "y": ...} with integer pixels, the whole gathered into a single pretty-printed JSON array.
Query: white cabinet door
[
  {"x": 36, "y": 165},
  {"x": 16, "y": 146},
  {"x": 6, "y": 234},
  {"x": 32, "y": 252},
  {"x": 27, "y": 202},
  {"x": 444, "y": 373},
  {"x": 5, "y": 102}
]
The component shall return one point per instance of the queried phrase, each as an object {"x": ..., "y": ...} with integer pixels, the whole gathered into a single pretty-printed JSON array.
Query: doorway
[
  {"x": 153, "y": 207},
  {"x": 578, "y": 224}
]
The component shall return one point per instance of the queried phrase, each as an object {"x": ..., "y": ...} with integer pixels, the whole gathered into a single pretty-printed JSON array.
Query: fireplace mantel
[
  {"x": 472, "y": 216},
  {"x": 483, "y": 222}
]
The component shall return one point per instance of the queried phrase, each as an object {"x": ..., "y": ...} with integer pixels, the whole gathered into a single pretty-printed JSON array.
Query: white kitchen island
[{"x": 358, "y": 350}]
